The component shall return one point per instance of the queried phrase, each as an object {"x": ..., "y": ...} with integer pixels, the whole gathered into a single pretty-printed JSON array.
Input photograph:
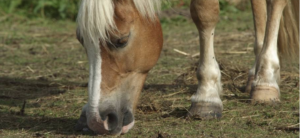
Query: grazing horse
[{"x": 123, "y": 40}]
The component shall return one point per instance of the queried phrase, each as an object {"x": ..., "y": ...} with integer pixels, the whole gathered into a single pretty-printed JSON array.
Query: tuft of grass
[{"x": 57, "y": 9}]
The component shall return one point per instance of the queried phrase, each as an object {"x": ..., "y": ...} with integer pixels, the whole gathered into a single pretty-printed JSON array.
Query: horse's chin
[{"x": 126, "y": 128}]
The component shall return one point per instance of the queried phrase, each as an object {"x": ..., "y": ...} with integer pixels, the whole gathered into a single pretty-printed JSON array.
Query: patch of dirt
[
  {"x": 161, "y": 135},
  {"x": 150, "y": 104}
]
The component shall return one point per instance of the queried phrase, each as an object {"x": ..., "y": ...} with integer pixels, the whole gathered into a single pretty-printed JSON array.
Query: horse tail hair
[
  {"x": 288, "y": 36},
  {"x": 96, "y": 17}
]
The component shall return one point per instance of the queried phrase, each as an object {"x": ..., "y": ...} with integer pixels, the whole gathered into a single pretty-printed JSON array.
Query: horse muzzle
[{"x": 110, "y": 121}]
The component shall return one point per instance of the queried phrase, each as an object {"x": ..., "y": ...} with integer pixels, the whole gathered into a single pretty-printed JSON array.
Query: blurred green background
[{"x": 67, "y": 9}]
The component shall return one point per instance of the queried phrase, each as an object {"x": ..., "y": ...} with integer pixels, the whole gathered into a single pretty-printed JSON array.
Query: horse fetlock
[
  {"x": 265, "y": 94},
  {"x": 211, "y": 73},
  {"x": 205, "y": 110}
]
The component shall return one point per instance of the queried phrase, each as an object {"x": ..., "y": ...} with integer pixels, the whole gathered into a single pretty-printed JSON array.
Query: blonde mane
[{"x": 96, "y": 17}]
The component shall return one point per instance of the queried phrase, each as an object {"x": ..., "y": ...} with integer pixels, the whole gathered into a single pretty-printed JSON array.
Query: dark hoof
[{"x": 205, "y": 110}]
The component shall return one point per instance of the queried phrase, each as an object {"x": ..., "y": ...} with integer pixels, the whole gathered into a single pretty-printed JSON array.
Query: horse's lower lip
[
  {"x": 110, "y": 121},
  {"x": 125, "y": 129}
]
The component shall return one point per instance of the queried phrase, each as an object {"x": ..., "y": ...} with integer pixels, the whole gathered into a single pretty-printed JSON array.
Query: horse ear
[{"x": 78, "y": 36}]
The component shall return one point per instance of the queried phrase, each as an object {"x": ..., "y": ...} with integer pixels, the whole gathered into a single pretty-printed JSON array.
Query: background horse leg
[
  {"x": 206, "y": 102},
  {"x": 259, "y": 10},
  {"x": 267, "y": 74}
]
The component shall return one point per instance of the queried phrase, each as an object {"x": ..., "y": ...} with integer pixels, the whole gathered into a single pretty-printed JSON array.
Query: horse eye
[{"x": 120, "y": 42}]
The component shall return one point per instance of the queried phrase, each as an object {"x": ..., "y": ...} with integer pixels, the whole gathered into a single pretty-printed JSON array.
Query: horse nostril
[
  {"x": 115, "y": 123},
  {"x": 111, "y": 121},
  {"x": 128, "y": 118}
]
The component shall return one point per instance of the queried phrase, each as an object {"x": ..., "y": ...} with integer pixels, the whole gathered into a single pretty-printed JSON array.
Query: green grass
[{"x": 42, "y": 63}]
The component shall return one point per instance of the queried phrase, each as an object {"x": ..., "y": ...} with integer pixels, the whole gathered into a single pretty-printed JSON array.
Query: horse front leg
[
  {"x": 206, "y": 102},
  {"x": 265, "y": 87},
  {"x": 259, "y": 10}
]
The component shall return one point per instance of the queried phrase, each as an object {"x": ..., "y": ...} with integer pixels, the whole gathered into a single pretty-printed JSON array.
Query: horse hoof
[
  {"x": 205, "y": 110},
  {"x": 249, "y": 84},
  {"x": 265, "y": 95}
]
